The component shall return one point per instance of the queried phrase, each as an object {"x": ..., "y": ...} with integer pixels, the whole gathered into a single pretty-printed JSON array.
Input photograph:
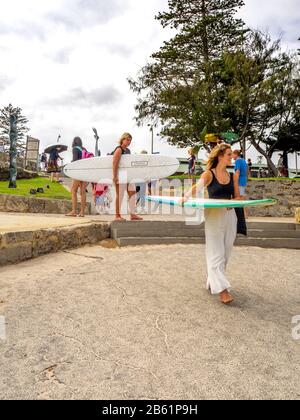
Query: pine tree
[
  {"x": 5, "y": 126},
  {"x": 179, "y": 87},
  {"x": 13, "y": 136},
  {"x": 13, "y": 129}
]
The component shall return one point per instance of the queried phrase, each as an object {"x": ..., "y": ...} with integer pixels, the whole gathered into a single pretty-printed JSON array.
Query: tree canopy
[
  {"x": 215, "y": 75},
  {"x": 178, "y": 88}
]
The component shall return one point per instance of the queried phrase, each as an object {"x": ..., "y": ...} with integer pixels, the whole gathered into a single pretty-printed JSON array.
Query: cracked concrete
[{"x": 137, "y": 323}]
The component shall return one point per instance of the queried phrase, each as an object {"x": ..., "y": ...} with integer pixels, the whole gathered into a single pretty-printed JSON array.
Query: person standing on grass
[
  {"x": 220, "y": 223},
  {"x": 123, "y": 149},
  {"x": 282, "y": 169},
  {"x": 241, "y": 172},
  {"x": 77, "y": 149},
  {"x": 192, "y": 163},
  {"x": 43, "y": 161},
  {"x": 250, "y": 165},
  {"x": 141, "y": 192}
]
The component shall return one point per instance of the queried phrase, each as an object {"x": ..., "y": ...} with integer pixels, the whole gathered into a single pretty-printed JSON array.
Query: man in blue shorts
[{"x": 241, "y": 171}]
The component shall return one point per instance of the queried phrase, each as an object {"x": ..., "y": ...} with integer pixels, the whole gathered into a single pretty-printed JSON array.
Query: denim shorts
[{"x": 242, "y": 191}]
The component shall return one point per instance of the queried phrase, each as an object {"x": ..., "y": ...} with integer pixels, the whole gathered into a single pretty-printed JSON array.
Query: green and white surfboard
[{"x": 209, "y": 203}]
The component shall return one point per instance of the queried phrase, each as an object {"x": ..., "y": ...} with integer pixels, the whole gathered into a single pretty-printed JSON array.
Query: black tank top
[
  {"x": 124, "y": 151},
  {"x": 221, "y": 191}
]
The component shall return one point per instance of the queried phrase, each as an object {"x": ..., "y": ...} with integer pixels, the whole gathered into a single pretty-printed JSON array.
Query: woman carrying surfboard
[
  {"x": 77, "y": 149},
  {"x": 220, "y": 224},
  {"x": 123, "y": 149}
]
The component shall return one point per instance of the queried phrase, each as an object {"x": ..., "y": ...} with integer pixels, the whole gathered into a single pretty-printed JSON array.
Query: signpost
[{"x": 32, "y": 152}]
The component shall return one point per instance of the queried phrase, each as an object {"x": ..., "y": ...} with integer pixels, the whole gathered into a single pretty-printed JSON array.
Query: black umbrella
[{"x": 59, "y": 147}]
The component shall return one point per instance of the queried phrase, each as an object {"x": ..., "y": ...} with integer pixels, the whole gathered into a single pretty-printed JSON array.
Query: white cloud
[
  {"x": 56, "y": 54},
  {"x": 280, "y": 18}
]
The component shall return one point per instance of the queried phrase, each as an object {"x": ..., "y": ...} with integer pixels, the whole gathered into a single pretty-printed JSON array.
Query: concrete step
[
  {"x": 259, "y": 233},
  {"x": 197, "y": 232},
  {"x": 289, "y": 243},
  {"x": 273, "y": 226},
  {"x": 142, "y": 233},
  {"x": 152, "y": 224},
  {"x": 133, "y": 241},
  {"x": 165, "y": 225}
]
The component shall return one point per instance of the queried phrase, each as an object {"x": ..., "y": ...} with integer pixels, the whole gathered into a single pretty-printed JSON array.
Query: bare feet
[
  {"x": 120, "y": 219},
  {"x": 71, "y": 214},
  {"x": 226, "y": 297},
  {"x": 134, "y": 217}
]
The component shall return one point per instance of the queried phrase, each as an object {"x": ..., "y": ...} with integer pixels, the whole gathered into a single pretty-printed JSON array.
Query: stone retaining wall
[
  {"x": 4, "y": 162},
  {"x": 22, "y": 173},
  {"x": 20, "y": 246},
  {"x": 18, "y": 204},
  {"x": 287, "y": 193}
]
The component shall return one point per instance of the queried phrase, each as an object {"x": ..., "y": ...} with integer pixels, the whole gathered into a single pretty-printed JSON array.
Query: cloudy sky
[{"x": 65, "y": 62}]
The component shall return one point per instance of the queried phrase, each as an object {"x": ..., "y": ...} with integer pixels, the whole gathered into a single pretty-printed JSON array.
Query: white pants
[{"x": 220, "y": 232}]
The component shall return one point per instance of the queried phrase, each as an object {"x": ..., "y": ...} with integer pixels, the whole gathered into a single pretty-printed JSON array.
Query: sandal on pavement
[
  {"x": 71, "y": 215},
  {"x": 136, "y": 219}
]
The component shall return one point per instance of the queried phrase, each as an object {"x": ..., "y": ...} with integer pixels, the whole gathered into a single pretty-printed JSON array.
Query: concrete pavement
[
  {"x": 17, "y": 222},
  {"x": 138, "y": 324}
]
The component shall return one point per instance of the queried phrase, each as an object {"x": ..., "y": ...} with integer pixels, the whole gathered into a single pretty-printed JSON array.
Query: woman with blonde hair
[
  {"x": 123, "y": 149},
  {"x": 220, "y": 224}
]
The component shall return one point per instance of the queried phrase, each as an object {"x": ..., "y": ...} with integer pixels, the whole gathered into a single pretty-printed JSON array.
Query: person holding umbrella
[{"x": 52, "y": 165}]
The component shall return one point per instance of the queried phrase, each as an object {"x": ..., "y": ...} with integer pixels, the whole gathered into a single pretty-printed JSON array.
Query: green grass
[
  {"x": 275, "y": 179},
  {"x": 183, "y": 177},
  {"x": 56, "y": 191}
]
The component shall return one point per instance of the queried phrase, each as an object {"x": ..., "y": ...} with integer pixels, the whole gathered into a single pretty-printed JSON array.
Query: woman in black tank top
[
  {"x": 220, "y": 224},
  {"x": 220, "y": 191},
  {"x": 123, "y": 149}
]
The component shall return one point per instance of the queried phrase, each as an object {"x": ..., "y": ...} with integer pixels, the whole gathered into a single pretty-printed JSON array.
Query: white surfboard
[{"x": 132, "y": 168}]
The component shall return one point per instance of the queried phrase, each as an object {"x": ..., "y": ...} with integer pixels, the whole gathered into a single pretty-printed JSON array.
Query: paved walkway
[
  {"x": 16, "y": 222},
  {"x": 138, "y": 324}
]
